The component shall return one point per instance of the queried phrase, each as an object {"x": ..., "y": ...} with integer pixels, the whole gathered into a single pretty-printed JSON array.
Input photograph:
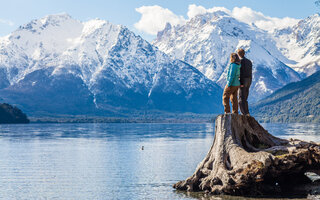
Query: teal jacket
[{"x": 233, "y": 75}]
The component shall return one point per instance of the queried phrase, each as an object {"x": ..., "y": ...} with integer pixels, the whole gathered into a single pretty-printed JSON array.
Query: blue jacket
[{"x": 233, "y": 75}]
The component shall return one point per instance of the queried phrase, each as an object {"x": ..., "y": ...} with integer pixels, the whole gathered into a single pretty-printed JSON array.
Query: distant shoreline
[
  {"x": 202, "y": 119},
  {"x": 206, "y": 118}
]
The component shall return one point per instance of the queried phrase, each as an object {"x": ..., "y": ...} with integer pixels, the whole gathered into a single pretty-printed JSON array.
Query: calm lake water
[{"x": 106, "y": 161}]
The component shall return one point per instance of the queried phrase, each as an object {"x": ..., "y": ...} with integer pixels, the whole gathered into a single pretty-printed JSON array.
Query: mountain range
[{"x": 59, "y": 65}]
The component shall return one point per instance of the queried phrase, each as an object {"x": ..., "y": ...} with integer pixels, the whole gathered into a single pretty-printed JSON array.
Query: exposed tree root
[{"x": 246, "y": 160}]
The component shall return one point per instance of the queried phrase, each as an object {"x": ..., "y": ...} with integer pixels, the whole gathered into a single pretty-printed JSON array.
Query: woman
[{"x": 233, "y": 84}]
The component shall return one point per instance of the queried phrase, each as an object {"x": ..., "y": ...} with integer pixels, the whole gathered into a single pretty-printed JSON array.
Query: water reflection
[
  {"x": 105, "y": 161},
  {"x": 307, "y": 132},
  {"x": 98, "y": 161},
  {"x": 109, "y": 131}
]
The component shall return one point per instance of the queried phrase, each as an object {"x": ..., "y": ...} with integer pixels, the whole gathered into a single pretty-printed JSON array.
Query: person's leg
[
  {"x": 225, "y": 99},
  {"x": 243, "y": 97},
  {"x": 246, "y": 95},
  {"x": 242, "y": 104},
  {"x": 234, "y": 99},
  {"x": 245, "y": 102}
]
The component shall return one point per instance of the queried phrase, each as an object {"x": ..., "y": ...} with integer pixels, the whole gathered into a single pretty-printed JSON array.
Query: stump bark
[{"x": 246, "y": 160}]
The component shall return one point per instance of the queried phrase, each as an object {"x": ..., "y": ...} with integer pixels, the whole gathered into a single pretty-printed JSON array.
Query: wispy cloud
[
  {"x": 6, "y": 22},
  {"x": 154, "y": 18}
]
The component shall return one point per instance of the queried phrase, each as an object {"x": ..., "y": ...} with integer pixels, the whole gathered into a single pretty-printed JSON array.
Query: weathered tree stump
[{"x": 246, "y": 160}]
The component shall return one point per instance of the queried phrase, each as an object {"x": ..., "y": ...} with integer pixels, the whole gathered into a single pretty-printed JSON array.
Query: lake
[{"x": 109, "y": 161}]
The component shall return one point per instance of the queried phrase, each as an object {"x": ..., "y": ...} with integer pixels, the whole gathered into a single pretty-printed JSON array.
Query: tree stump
[{"x": 246, "y": 160}]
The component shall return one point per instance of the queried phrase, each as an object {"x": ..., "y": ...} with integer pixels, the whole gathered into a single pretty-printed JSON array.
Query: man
[{"x": 245, "y": 82}]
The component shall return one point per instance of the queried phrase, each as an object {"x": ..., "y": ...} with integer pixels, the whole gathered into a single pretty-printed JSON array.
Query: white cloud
[
  {"x": 155, "y": 18},
  {"x": 215, "y": 9},
  {"x": 246, "y": 14},
  {"x": 250, "y": 16},
  {"x": 195, "y": 10},
  {"x": 7, "y": 22}
]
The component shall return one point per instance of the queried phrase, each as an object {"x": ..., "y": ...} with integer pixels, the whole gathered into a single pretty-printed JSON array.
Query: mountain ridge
[{"x": 98, "y": 68}]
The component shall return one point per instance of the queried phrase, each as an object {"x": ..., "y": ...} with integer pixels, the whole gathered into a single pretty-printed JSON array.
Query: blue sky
[{"x": 14, "y": 13}]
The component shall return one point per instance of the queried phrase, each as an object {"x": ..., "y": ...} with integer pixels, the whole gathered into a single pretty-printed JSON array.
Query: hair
[
  {"x": 241, "y": 53},
  {"x": 234, "y": 58}
]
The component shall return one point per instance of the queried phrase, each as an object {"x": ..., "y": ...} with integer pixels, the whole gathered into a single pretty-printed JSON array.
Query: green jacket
[{"x": 233, "y": 75}]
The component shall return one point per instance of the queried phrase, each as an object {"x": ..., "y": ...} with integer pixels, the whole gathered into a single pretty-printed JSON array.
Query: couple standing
[{"x": 239, "y": 77}]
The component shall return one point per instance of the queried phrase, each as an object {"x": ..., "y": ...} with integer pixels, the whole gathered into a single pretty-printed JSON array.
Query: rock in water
[{"x": 247, "y": 160}]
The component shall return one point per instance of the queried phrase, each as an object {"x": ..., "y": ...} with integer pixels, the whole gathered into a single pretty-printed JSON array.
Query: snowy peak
[
  {"x": 308, "y": 25},
  {"x": 48, "y": 35},
  {"x": 60, "y": 32},
  {"x": 93, "y": 27},
  {"x": 57, "y": 41},
  {"x": 208, "y": 22},
  {"x": 210, "y": 17},
  {"x": 47, "y": 21},
  {"x": 300, "y": 44}
]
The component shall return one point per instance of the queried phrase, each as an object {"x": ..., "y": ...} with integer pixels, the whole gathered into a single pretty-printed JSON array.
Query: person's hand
[{"x": 241, "y": 85}]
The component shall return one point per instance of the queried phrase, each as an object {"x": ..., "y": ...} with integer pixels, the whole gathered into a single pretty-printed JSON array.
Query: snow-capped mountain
[
  {"x": 61, "y": 65},
  {"x": 207, "y": 40},
  {"x": 301, "y": 45}
]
